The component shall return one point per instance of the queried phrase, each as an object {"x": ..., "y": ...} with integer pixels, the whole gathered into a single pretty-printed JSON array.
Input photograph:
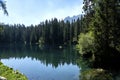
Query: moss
[
  {"x": 10, "y": 74},
  {"x": 95, "y": 74}
]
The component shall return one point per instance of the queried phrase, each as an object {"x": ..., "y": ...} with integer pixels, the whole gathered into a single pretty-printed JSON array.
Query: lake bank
[{"x": 10, "y": 74}]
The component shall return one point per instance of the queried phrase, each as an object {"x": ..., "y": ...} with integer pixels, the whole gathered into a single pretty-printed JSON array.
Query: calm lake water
[{"x": 37, "y": 63}]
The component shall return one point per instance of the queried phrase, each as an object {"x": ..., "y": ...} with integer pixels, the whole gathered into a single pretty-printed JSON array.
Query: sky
[{"x": 35, "y": 11}]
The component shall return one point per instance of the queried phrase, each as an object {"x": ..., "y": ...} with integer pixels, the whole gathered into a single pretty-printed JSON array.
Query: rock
[
  {"x": 60, "y": 47},
  {"x": 95, "y": 74},
  {"x": 2, "y": 78}
]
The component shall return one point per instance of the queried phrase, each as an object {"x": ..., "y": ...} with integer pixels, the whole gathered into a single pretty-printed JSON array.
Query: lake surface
[{"x": 37, "y": 63}]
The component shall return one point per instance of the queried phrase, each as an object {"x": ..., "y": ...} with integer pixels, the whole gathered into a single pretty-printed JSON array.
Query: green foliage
[
  {"x": 10, "y": 74},
  {"x": 106, "y": 24},
  {"x": 41, "y": 41},
  {"x": 86, "y": 42},
  {"x": 1, "y": 28},
  {"x": 102, "y": 18}
]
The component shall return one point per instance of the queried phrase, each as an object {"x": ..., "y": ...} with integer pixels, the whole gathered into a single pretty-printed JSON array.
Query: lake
[{"x": 42, "y": 63}]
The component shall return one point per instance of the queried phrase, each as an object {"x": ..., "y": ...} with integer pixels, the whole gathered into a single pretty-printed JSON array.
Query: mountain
[{"x": 72, "y": 18}]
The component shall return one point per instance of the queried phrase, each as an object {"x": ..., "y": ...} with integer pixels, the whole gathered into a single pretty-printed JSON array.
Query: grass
[{"x": 10, "y": 74}]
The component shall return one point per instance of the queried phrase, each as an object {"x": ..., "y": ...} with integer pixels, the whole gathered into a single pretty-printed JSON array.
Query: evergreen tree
[
  {"x": 102, "y": 18},
  {"x": 52, "y": 32},
  {"x": 3, "y": 6}
]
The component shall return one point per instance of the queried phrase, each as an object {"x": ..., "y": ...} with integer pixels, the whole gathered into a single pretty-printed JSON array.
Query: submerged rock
[
  {"x": 95, "y": 74},
  {"x": 60, "y": 47}
]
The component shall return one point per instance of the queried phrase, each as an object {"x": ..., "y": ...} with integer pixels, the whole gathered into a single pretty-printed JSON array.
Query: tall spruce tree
[
  {"x": 106, "y": 26},
  {"x": 102, "y": 18}
]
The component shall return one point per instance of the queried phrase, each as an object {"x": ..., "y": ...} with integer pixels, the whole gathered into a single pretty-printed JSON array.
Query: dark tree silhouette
[{"x": 3, "y": 6}]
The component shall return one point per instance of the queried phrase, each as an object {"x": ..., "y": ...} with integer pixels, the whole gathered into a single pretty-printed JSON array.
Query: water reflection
[{"x": 48, "y": 63}]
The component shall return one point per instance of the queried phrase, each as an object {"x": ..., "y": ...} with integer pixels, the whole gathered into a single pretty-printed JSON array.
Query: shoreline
[{"x": 10, "y": 74}]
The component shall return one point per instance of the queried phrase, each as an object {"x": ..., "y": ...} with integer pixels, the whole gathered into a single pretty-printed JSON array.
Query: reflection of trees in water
[
  {"x": 47, "y": 55},
  {"x": 88, "y": 64},
  {"x": 84, "y": 64}
]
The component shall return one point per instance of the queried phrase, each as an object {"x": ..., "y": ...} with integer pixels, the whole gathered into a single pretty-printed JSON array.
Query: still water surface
[{"x": 48, "y": 63}]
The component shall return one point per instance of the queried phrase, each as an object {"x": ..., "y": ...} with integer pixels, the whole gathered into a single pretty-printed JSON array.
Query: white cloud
[
  {"x": 26, "y": 16},
  {"x": 62, "y": 13}
]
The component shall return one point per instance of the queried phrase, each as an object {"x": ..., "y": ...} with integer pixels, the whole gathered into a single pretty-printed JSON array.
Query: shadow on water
[
  {"x": 110, "y": 62},
  {"x": 47, "y": 54},
  {"x": 98, "y": 70},
  {"x": 107, "y": 63}
]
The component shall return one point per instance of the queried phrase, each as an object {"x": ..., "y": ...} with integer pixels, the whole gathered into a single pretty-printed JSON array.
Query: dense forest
[
  {"x": 101, "y": 37},
  {"x": 50, "y": 32},
  {"x": 100, "y": 41},
  {"x": 98, "y": 30}
]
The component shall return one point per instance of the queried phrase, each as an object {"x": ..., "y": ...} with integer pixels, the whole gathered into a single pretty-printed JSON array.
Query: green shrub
[
  {"x": 86, "y": 42},
  {"x": 10, "y": 74}
]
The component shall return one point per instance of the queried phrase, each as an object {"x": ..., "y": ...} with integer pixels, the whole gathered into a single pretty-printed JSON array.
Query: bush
[
  {"x": 86, "y": 43},
  {"x": 10, "y": 74}
]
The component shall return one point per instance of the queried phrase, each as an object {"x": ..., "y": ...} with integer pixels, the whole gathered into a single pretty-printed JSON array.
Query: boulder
[
  {"x": 2, "y": 78},
  {"x": 95, "y": 74}
]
